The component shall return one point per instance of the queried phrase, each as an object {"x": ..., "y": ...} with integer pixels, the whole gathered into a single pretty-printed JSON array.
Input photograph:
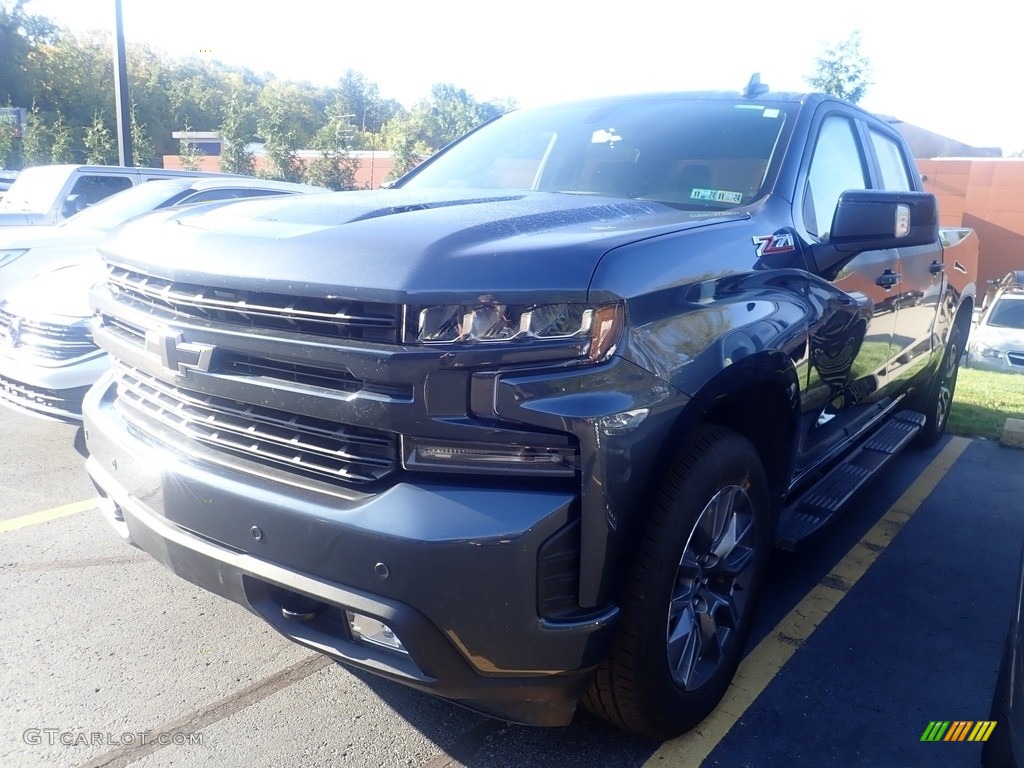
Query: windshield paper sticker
[{"x": 717, "y": 196}]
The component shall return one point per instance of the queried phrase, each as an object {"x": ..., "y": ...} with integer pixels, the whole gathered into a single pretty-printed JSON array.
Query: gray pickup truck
[
  {"x": 523, "y": 430},
  {"x": 49, "y": 194}
]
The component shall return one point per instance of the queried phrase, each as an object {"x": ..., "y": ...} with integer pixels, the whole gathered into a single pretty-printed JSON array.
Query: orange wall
[
  {"x": 370, "y": 173},
  {"x": 986, "y": 194}
]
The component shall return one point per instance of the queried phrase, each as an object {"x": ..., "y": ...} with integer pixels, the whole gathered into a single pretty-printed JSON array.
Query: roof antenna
[{"x": 755, "y": 87}]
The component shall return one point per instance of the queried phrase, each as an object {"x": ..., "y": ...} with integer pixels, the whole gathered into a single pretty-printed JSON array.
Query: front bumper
[
  {"x": 54, "y": 390},
  {"x": 1010, "y": 362},
  {"x": 461, "y": 565}
]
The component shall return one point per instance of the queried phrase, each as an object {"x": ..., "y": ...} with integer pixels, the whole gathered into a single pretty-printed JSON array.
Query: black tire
[
  {"x": 689, "y": 600},
  {"x": 940, "y": 393},
  {"x": 997, "y": 752}
]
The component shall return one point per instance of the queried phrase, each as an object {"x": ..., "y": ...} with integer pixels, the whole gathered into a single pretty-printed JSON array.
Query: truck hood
[
  {"x": 49, "y": 236},
  {"x": 398, "y": 245}
]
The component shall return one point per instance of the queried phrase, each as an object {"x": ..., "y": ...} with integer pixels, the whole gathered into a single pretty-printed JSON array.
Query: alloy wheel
[{"x": 711, "y": 587}]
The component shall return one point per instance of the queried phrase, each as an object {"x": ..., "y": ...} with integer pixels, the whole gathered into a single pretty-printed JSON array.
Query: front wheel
[
  {"x": 941, "y": 391},
  {"x": 689, "y": 602}
]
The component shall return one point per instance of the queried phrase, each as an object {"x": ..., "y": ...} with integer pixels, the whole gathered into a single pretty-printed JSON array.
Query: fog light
[
  {"x": 489, "y": 458},
  {"x": 372, "y": 632},
  {"x": 623, "y": 423}
]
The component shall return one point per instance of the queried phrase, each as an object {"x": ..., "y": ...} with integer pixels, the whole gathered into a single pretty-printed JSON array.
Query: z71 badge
[{"x": 766, "y": 245}]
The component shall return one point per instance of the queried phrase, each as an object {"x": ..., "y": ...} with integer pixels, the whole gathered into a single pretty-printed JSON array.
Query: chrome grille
[
  {"x": 314, "y": 446},
  {"x": 272, "y": 370},
  {"x": 67, "y": 401},
  {"x": 249, "y": 365},
  {"x": 1015, "y": 358},
  {"x": 337, "y": 318},
  {"x": 51, "y": 341}
]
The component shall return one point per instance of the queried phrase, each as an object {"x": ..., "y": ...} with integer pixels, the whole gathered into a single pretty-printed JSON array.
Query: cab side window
[
  {"x": 836, "y": 166},
  {"x": 890, "y": 162},
  {"x": 92, "y": 189}
]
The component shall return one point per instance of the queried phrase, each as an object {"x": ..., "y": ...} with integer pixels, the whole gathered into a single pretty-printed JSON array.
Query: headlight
[
  {"x": 984, "y": 350},
  {"x": 9, "y": 255},
  {"x": 592, "y": 330}
]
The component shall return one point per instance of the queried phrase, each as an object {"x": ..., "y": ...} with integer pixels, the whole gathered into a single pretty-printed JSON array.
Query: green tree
[
  {"x": 20, "y": 34},
  {"x": 36, "y": 141},
  {"x": 189, "y": 154},
  {"x": 333, "y": 167},
  {"x": 841, "y": 70},
  {"x": 400, "y": 136},
  {"x": 61, "y": 141},
  {"x": 283, "y": 121},
  {"x": 7, "y": 141},
  {"x": 444, "y": 116},
  {"x": 100, "y": 148},
  {"x": 235, "y": 136},
  {"x": 142, "y": 143}
]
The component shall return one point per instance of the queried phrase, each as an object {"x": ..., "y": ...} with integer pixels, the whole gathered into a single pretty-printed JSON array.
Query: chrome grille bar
[
  {"x": 316, "y": 446},
  {"x": 53, "y": 341},
  {"x": 323, "y": 316}
]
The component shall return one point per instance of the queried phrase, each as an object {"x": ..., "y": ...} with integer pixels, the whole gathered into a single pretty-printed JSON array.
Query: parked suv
[
  {"x": 997, "y": 342},
  {"x": 523, "y": 429}
]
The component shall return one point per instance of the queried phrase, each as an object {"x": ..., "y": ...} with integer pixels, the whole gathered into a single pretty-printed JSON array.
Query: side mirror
[
  {"x": 73, "y": 204},
  {"x": 873, "y": 220}
]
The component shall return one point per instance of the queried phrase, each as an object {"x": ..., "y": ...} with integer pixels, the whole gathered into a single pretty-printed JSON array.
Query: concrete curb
[{"x": 1013, "y": 433}]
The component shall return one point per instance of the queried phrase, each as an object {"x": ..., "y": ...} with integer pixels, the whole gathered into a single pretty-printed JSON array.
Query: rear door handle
[
  {"x": 935, "y": 267},
  {"x": 887, "y": 279}
]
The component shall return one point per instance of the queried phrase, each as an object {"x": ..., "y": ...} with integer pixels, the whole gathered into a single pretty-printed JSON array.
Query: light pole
[{"x": 123, "y": 106}]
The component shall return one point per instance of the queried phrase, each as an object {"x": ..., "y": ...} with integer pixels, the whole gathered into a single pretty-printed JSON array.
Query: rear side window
[
  {"x": 92, "y": 189},
  {"x": 890, "y": 161}
]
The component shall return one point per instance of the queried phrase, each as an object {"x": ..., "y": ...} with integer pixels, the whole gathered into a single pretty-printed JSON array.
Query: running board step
[{"x": 823, "y": 501}]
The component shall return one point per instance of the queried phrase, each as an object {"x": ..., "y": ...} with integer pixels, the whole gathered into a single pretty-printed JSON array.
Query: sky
[{"x": 949, "y": 69}]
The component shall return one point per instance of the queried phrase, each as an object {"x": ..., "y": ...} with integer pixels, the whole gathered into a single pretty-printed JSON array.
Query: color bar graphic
[{"x": 958, "y": 730}]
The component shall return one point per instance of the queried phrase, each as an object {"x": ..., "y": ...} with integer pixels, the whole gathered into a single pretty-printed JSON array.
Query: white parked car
[
  {"x": 29, "y": 249},
  {"x": 997, "y": 342},
  {"x": 47, "y": 356}
]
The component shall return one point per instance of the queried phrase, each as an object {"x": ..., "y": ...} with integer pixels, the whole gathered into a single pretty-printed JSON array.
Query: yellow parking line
[
  {"x": 49, "y": 514},
  {"x": 762, "y": 664}
]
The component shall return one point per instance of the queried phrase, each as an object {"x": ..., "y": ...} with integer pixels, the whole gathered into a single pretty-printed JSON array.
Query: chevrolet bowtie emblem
[{"x": 176, "y": 355}]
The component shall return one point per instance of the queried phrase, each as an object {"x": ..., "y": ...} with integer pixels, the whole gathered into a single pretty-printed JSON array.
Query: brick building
[{"x": 373, "y": 167}]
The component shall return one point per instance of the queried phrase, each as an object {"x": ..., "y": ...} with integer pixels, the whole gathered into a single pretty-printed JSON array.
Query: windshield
[
  {"x": 1007, "y": 313},
  {"x": 694, "y": 154},
  {"x": 35, "y": 190},
  {"x": 116, "y": 209}
]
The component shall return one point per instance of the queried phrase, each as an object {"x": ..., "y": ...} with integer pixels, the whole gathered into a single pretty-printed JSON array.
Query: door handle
[
  {"x": 935, "y": 267},
  {"x": 887, "y": 279}
]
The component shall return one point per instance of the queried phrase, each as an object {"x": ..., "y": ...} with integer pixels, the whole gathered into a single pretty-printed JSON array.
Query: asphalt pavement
[{"x": 108, "y": 659}]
